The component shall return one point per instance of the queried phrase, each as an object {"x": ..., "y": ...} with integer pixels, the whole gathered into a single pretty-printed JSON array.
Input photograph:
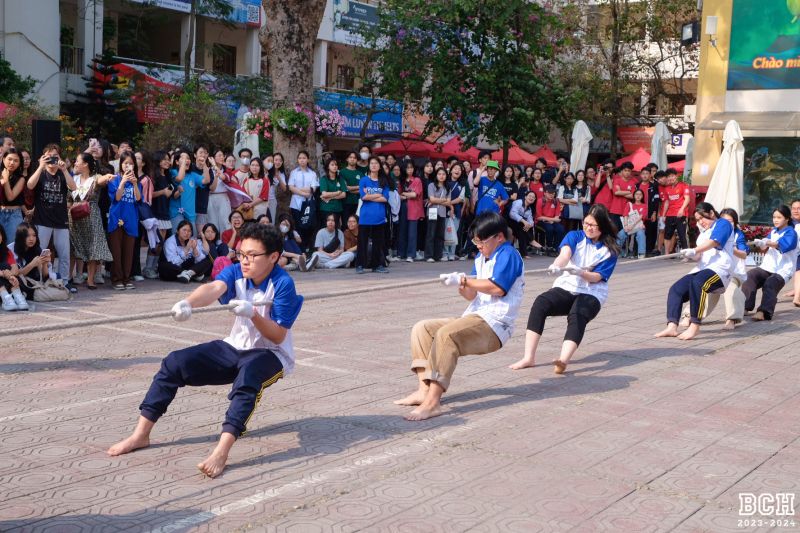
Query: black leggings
[
  {"x": 376, "y": 256},
  {"x": 770, "y": 285},
  {"x": 579, "y": 309},
  {"x": 169, "y": 272}
]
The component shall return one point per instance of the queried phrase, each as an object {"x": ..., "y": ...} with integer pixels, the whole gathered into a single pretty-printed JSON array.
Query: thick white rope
[{"x": 59, "y": 326}]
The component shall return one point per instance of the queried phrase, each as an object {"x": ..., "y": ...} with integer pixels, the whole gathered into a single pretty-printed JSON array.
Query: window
[
  {"x": 224, "y": 59},
  {"x": 345, "y": 77}
]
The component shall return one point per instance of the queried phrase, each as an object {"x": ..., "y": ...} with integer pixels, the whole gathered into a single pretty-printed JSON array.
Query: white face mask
[
  {"x": 364, "y": 156},
  {"x": 284, "y": 228},
  {"x": 268, "y": 165},
  {"x": 245, "y": 160}
]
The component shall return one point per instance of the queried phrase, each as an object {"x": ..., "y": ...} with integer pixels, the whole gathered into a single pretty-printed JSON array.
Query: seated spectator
[
  {"x": 231, "y": 236},
  {"x": 521, "y": 215},
  {"x": 330, "y": 247},
  {"x": 213, "y": 246},
  {"x": 10, "y": 295},
  {"x": 292, "y": 256},
  {"x": 33, "y": 262},
  {"x": 548, "y": 216},
  {"x": 264, "y": 219},
  {"x": 351, "y": 234},
  {"x": 183, "y": 258}
]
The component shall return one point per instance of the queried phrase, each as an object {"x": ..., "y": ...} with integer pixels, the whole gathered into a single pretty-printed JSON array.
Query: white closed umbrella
[
  {"x": 687, "y": 170},
  {"x": 658, "y": 149},
  {"x": 727, "y": 183},
  {"x": 581, "y": 137}
]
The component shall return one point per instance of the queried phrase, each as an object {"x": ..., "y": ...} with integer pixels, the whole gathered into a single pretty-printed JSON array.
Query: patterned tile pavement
[{"x": 640, "y": 435}]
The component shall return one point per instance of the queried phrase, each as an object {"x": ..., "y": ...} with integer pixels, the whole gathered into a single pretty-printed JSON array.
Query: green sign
[
  {"x": 765, "y": 45},
  {"x": 771, "y": 176}
]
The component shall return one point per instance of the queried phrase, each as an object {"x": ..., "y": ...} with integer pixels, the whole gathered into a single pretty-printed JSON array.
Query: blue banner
[
  {"x": 388, "y": 117},
  {"x": 242, "y": 11}
]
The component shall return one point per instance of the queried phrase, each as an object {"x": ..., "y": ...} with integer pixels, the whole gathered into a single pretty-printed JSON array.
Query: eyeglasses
[
  {"x": 590, "y": 225},
  {"x": 248, "y": 257},
  {"x": 479, "y": 243}
]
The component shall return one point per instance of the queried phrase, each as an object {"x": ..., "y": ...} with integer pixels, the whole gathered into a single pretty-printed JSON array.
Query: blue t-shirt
[
  {"x": 186, "y": 204},
  {"x": 740, "y": 242},
  {"x": 286, "y": 303},
  {"x": 372, "y": 213},
  {"x": 123, "y": 213},
  {"x": 488, "y": 192},
  {"x": 508, "y": 266}
]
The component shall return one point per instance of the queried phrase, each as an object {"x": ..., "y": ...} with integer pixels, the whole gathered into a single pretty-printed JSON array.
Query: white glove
[
  {"x": 181, "y": 311},
  {"x": 688, "y": 252},
  {"x": 242, "y": 308},
  {"x": 553, "y": 270},
  {"x": 452, "y": 279},
  {"x": 575, "y": 271}
]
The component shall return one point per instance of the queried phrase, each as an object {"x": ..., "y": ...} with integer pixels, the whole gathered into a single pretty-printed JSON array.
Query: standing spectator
[
  {"x": 12, "y": 185},
  {"x": 352, "y": 177},
  {"x": 6, "y": 143},
  {"x": 637, "y": 229},
  {"x": 333, "y": 192},
  {"x": 622, "y": 187},
  {"x": 230, "y": 166},
  {"x": 438, "y": 204},
  {"x": 536, "y": 185},
  {"x": 303, "y": 182},
  {"x": 364, "y": 153},
  {"x": 583, "y": 191},
  {"x": 33, "y": 262},
  {"x": 186, "y": 180},
  {"x": 219, "y": 205},
  {"x": 548, "y": 216},
  {"x": 678, "y": 196},
  {"x": 374, "y": 190},
  {"x": 162, "y": 192},
  {"x": 124, "y": 146},
  {"x": 521, "y": 215},
  {"x": 491, "y": 194},
  {"x": 86, "y": 234},
  {"x": 277, "y": 182},
  {"x": 123, "y": 220},
  {"x": 602, "y": 192},
  {"x": 458, "y": 188},
  {"x": 568, "y": 197},
  {"x": 243, "y": 172},
  {"x": 51, "y": 184},
  {"x": 794, "y": 294},
  {"x": 144, "y": 165},
  {"x": 184, "y": 259},
  {"x": 203, "y": 166},
  {"x": 411, "y": 188},
  {"x": 330, "y": 247},
  {"x": 257, "y": 186},
  {"x": 652, "y": 199},
  {"x": 510, "y": 185}
]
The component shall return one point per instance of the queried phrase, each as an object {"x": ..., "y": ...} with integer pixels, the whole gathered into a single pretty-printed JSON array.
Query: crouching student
[
  {"x": 183, "y": 258},
  {"x": 494, "y": 295},
  {"x": 776, "y": 269},
  {"x": 330, "y": 247},
  {"x": 586, "y": 261},
  {"x": 257, "y": 353}
]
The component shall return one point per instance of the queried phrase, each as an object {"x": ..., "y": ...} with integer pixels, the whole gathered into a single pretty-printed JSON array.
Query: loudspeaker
[{"x": 44, "y": 133}]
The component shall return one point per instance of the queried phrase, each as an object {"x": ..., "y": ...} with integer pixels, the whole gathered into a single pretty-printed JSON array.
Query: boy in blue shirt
[
  {"x": 492, "y": 196},
  {"x": 256, "y": 354}
]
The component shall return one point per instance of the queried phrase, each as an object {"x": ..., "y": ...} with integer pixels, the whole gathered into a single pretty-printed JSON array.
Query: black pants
[
  {"x": 770, "y": 285},
  {"x": 464, "y": 241},
  {"x": 215, "y": 363},
  {"x": 169, "y": 272},
  {"x": 692, "y": 288},
  {"x": 677, "y": 225},
  {"x": 136, "y": 267},
  {"x": 434, "y": 238},
  {"x": 347, "y": 210},
  {"x": 376, "y": 256},
  {"x": 523, "y": 237},
  {"x": 651, "y": 235},
  {"x": 305, "y": 233},
  {"x": 579, "y": 309}
]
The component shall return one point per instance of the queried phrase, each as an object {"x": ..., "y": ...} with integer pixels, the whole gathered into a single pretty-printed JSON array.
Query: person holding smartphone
[
  {"x": 33, "y": 262},
  {"x": 123, "y": 220},
  {"x": 51, "y": 184}
]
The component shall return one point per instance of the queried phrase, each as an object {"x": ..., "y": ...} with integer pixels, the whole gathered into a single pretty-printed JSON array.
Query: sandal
[
  {"x": 91, "y": 287},
  {"x": 560, "y": 367}
]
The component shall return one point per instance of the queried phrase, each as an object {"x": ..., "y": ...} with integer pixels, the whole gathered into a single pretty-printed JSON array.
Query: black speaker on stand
[{"x": 44, "y": 133}]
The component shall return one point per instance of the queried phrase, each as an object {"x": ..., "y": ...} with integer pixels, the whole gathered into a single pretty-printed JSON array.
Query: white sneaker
[
  {"x": 8, "y": 303},
  {"x": 393, "y": 258},
  {"x": 99, "y": 279},
  {"x": 19, "y": 299},
  {"x": 409, "y": 260},
  {"x": 138, "y": 278},
  {"x": 449, "y": 258},
  {"x": 199, "y": 278},
  {"x": 431, "y": 260},
  {"x": 420, "y": 255},
  {"x": 185, "y": 276},
  {"x": 311, "y": 263}
]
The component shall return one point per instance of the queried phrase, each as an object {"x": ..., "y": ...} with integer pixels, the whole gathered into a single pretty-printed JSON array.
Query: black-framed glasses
[
  {"x": 247, "y": 257},
  {"x": 590, "y": 225}
]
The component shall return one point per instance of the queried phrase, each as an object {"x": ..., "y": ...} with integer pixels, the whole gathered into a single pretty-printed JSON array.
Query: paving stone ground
[{"x": 639, "y": 435}]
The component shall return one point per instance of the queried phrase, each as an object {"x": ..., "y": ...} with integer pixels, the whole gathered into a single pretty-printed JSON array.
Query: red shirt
[
  {"x": 641, "y": 209},
  {"x": 547, "y": 208},
  {"x": 414, "y": 205},
  {"x": 10, "y": 259},
  {"x": 603, "y": 197},
  {"x": 619, "y": 204},
  {"x": 676, "y": 195},
  {"x": 226, "y": 237},
  {"x": 538, "y": 188}
]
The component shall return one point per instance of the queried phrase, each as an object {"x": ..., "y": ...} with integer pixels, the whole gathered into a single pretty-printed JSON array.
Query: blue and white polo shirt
[
  {"x": 720, "y": 258},
  {"x": 591, "y": 256},
  {"x": 782, "y": 260}
]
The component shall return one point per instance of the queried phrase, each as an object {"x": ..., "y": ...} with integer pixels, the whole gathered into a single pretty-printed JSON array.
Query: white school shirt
[
  {"x": 176, "y": 255},
  {"x": 782, "y": 260},
  {"x": 302, "y": 180},
  {"x": 505, "y": 269},
  {"x": 286, "y": 305},
  {"x": 739, "y": 270},
  {"x": 591, "y": 256},
  {"x": 720, "y": 258}
]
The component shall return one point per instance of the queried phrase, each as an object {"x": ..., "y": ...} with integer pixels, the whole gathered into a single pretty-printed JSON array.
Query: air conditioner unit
[{"x": 690, "y": 113}]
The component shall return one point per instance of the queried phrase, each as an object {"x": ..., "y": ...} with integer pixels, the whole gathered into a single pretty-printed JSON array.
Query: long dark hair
[
  {"x": 705, "y": 210},
  {"x": 17, "y": 173},
  {"x": 181, "y": 224},
  {"x": 731, "y": 212},
  {"x": 383, "y": 179},
  {"x": 90, "y": 161},
  {"x": 271, "y": 173},
  {"x": 608, "y": 231},
  {"x": 20, "y": 243},
  {"x": 128, "y": 155},
  {"x": 785, "y": 213},
  {"x": 261, "y": 174}
]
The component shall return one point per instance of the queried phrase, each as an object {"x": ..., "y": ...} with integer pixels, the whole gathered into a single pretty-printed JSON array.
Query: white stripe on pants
[
  {"x": 337, "y": 262},
  {"x": 61, "y": 243},
  {"x": 219, "y": 209}
]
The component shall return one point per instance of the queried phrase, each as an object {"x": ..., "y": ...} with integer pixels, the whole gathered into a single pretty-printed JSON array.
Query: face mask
[
  {"x": 245, "y": 160},
  {"x": 284, "y": 228},
  {"x": 364, "y": 156},
  {"x": 268, "y": 165}
]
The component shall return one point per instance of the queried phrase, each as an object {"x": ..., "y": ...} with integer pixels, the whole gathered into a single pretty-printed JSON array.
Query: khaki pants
[
  {"x": 437, "y": 344},
  {"x": 734, "y": 302}
]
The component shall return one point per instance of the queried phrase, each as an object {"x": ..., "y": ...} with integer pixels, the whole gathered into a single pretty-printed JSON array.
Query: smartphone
[
  {"x": 53, "y": 160},
  {"x": 45, "y": 252}
]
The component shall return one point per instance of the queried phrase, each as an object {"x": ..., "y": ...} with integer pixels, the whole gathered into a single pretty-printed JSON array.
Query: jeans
[
  {"x": 450, "y": 249},
  {"x": 61, "y": 243},
  {"x": 641, "y": 242},
  {"x": 10, "y": 219}
]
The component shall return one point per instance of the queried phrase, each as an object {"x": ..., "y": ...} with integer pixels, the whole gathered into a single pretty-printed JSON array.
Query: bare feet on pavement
[
  {"x": 214, "y": 464},
  {"x": 690, "y": 333},
  {"x": 424, "y": 412},
  {"x": 670, "y": 331},
  {"x": 522, "y": 363},
  {"x": 414, "y": 398},
  {"x": 134, "y": 442}
]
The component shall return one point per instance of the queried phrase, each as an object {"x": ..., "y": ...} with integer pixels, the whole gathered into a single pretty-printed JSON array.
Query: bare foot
[
  {"x": 522, "y": 363},
  {"x": 690, "y": 333},
  {"x": 759, "y": 316},
  {"x": 796, "y": 303},
  {"x": 730, "y": 325},
  {"x": 788, "y": 294},
  {"x": 415, "y": 398},
  {"x": 670, "y": 331},
  {"x": 214, "y": 464},
  {"x": 134, "y": 442},
  {"x": 424, "y": 412},
  {"x": 685, "y": 322}
]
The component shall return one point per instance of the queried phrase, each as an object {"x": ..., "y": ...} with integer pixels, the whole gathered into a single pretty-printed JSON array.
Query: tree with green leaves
[
  {"x": 13, "y": 87},
  {"x": 480, "y": 68}
]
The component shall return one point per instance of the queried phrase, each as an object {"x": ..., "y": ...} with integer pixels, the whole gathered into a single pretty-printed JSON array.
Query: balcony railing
[{"x": 71, "y": 59}]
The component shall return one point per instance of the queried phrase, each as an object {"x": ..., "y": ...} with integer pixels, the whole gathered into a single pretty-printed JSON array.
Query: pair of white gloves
[
  {"x": 554, "y": 270},
  {"x": 761, "y": 243},
  {"x": 182, "y": 310},
  {"x": 453, "y": 279}
]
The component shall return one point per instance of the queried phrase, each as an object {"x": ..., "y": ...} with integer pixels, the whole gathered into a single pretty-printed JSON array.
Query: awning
[{"x": 788, "y": 121}]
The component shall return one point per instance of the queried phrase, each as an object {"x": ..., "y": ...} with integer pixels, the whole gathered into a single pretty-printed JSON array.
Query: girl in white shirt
[{"x": 302, "y": 183}]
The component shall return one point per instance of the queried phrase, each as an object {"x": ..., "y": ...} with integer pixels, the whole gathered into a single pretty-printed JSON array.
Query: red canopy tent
[
  {"x": 411, "y": 147},
  {"x": 678, "y": 165},
  {"x": 548, "y": 155},
  {"x": 455, "y": 148},
  {"x": 640, "y": 159},
  {"x": 516, "y": 156}
]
